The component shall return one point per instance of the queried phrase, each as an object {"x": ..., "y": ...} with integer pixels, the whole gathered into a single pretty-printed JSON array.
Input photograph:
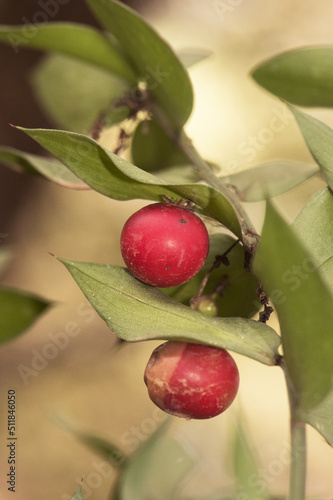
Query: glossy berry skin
[
  {"x": 164, "y": 245},
  {"x": 191, "y": 380}
]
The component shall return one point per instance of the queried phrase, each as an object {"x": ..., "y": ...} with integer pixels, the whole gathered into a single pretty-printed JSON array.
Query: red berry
[
  {"x": 191, "y": 380},
  {"x": 164, "y": 245}
]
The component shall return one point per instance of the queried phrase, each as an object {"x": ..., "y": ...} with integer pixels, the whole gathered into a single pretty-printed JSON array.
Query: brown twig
[{"x": 219, "y": 259}]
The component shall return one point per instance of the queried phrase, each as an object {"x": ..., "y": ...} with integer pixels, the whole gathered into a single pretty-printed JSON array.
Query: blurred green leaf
[
  {"x": 118, "y": 298},
  {"x": 304, "y": 306},
  {"x": 301, "y": 76},
  {"x": 314, "y": 228},
  {"x": 112, "y": 176},
  {"x": 74, "y": 93},
  {"x": 18, "y": 311},
  {"x": 191, "y": 57},
  {"x": 151, "y": 57},
  {"x": 239, "y": 297},
  {"x": 78, "y": 495},
  {"x": 319, "y": 139},
  {"x": 153, "y": 150},
  {"x": 157, "y": 469},
  {"x": 76, "y": 40},
  {"x": 107, "y": 450},
  {"x": 46, "y": 167},
  {"x": 271, "y": 179},
  {"x": 246, "y": 465},
  {"x": 321, "y": 419}
]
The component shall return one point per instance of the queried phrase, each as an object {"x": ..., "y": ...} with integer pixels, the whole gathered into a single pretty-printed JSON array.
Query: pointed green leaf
[
  {"x": 78, "y": 495},
  {"x": 271, "y": 179},
  {"x": 304, "y": 307},
  {"x": 319, "y": 139},
  {"x": 18, "y": 311},
  {"x": 191, "y": 57},
  {"x": 246, "y": 465},
  {"x": 157, "y": 469},
  {"x": 314, "y": 227},
  {"x": 76, "y": 40},
  {"x": 112, "y": 176},
  {"x": 135, "y": 312},
  {"x": 153, "y": 150},
  {"x": 151, "y": 57},
  {"x": 47, "y": 167},
  {"x": 74, "y": 93},
  {"x": 107, "y": 450},
  {"x": 321, "y": 419},
  {"x": 238, "y": 287},
  {"x": 303, "y": 76}
]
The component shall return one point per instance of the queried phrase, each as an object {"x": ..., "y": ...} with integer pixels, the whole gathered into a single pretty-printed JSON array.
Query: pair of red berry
[{"x": 166, "y": 245}]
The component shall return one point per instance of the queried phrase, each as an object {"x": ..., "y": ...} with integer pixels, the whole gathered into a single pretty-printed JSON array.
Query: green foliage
[
  {"x": 113, "y": 176},
  {"x": 18, "y": 311},
  {"x": 152, "y": 150},
  {"x": 314, "y": 228},
  {"x": 74, "y": 93},
  {"x": 78, "y": 495},
  {"x": 118, "y": 298},
  {"x": 304, "y": 306},
  {"x": 38, "y": 165},
  {"x": 151, "y": 58},
  {"x": 79, "y": 41},
  {"x": 320, "y": 418},
  {"x": 156, "y": 469},
  {"x": 271, "y": 179},
  {"x": 302, "y": 76},
  {"x": 319, "y": 139},
  {"x": 246, "y": 465},
  {"x": 238, "y": 287}
]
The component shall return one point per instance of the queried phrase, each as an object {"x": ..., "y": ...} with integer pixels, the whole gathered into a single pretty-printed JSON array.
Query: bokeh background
[{"x": 97, "y": 388}]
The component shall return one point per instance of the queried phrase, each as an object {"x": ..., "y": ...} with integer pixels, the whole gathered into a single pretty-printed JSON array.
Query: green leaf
[
  {"x": 78, "y": 495},
  {"x": 151, "y": 57},
  {"x": 191, "y": 57},
  {"x": 112, "y": 176},
  {"x": 314, "y": 228},
  {"x": 107, "y": 450},
  {"x": 153, "y": 150},
  {"x": 76, "y": 40},
  {"x": 238, "y": 297},
  {"x": 157, "y": 469},
  {"x": 304, "y": 306},
  {"x": 320, "y": 418},
  {"x": 246, "y": 465},
  {"x": 303, "y": 76},
  {"x": 18, "y": 311},
  {"x": 319, "y": 139},
  {"x": 271, "y": 179},
  {"x": 74, "y": 93},
  {"x": 119, "y": 298},
  {"x": 46, "y": 167}
]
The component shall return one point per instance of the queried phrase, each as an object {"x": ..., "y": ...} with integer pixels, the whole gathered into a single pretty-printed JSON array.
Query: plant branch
[
  {"x": 298, "y": 461},
  {"x": 298, "y": 452},
  {"x": 184, "y": 143}
]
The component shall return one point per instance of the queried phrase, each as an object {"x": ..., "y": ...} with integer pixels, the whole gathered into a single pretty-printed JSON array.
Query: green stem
[
  {"x": 298, "y": 461},
  {"x": 184, "y": 143},
  {"x": 298, "y": 452}
]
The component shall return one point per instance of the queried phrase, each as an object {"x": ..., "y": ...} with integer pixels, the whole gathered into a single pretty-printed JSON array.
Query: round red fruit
[
  {"x": 164, "y": 245},
  {"x": 191, "y": 380}
]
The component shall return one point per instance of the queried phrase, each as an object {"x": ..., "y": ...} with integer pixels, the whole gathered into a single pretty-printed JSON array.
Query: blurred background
[{"x": 100, "y": 390}]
